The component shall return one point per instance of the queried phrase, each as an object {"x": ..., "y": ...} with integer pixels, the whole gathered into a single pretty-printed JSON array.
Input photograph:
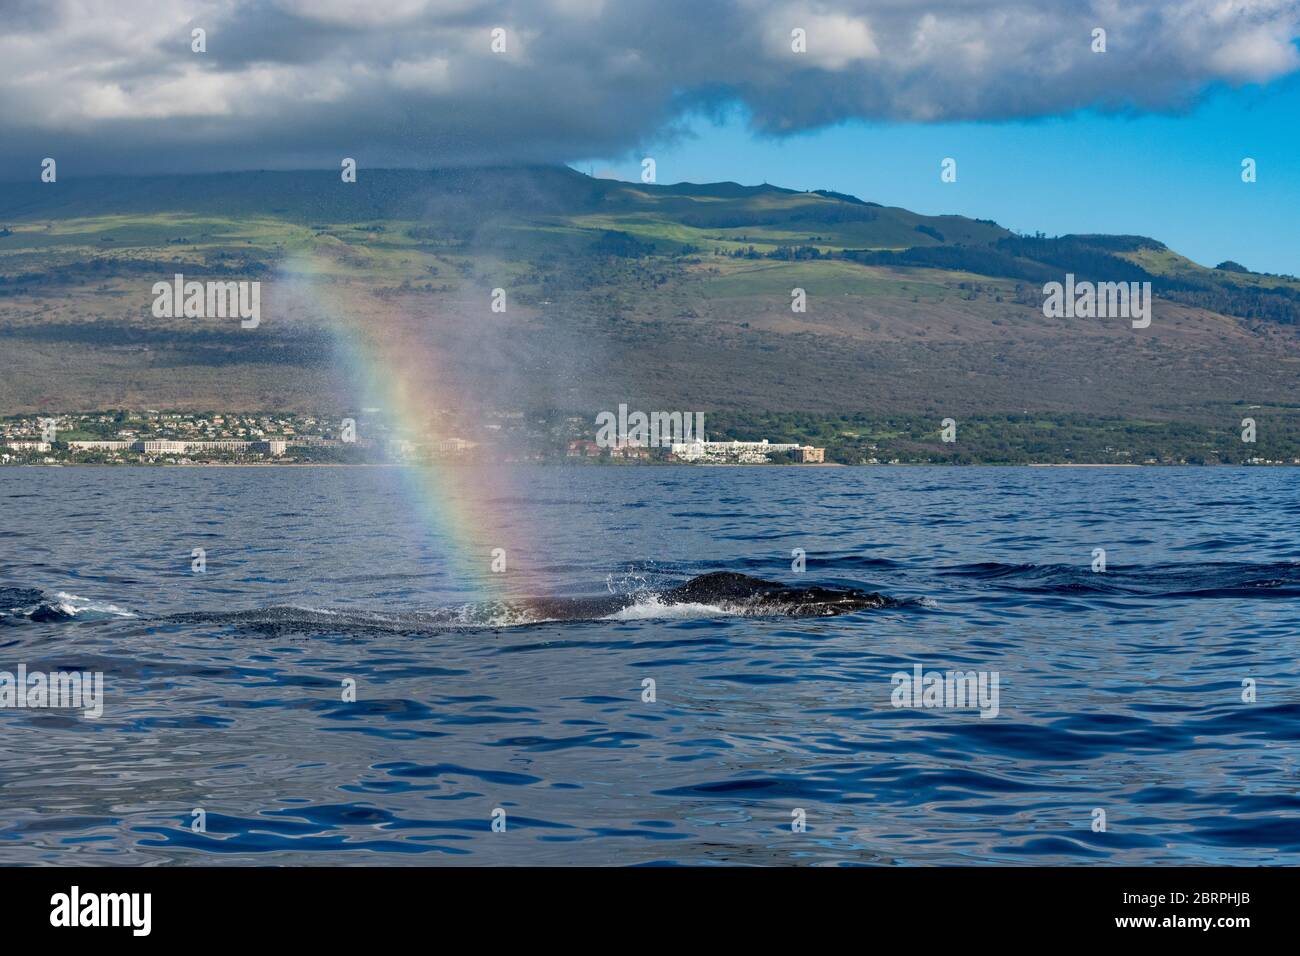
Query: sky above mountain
[
  {"x": 863, "y": 96},
  {"x": 1175, "y": 177}
]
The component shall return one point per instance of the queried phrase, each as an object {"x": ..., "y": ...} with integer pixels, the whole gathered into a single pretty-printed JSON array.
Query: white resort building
[{"x": 745, "y": 452}]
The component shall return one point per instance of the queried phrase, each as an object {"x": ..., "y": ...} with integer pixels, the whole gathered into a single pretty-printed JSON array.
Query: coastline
[{"x": 562, "y": 464}]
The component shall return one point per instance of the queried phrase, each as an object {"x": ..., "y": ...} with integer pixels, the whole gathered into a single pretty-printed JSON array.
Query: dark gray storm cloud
[{"x": 115, "y": 86}]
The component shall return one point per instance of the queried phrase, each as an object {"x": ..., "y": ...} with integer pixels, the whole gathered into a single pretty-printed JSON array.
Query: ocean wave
[{"x": 1199, "y": 580}]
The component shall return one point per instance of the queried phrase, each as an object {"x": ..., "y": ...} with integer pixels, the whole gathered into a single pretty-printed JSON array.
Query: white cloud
[
  {"x": 834, "y": 40},
  {"x": 1256, "y": 55},
  {"x": 415, "y": 80}
]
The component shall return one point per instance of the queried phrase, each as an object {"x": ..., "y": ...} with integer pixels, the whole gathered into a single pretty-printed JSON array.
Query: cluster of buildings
[
  {"x": 701, "y": 451},
  {"x": 629, "y": 451},
  {"x": 150, "y": 435},
  {"x": 187, "y": 438},
  {"x": 746, "y": 452},
  {"x": 126, "y": 437},
  {"x": 166, "y": 446},
  {"x": 403, "y": 449},
  {"x": 273, "y": 447}
]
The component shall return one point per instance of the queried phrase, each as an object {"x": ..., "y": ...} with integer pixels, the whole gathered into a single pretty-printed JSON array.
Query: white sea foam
[
  {"x": 78, "y": 606},
  {"x": 653, "y": 607}
]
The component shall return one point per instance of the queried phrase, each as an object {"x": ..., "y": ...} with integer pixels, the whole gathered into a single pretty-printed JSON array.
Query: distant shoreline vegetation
[
  {"x": 551, "y": 436},
  {"x": 1035, "y": 438}
]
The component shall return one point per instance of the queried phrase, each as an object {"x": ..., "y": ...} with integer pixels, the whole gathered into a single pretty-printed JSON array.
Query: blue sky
[{"x": 1176, "y": 178}]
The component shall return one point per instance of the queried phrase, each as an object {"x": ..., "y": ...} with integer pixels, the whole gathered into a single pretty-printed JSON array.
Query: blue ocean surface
[{"x": 1157, "y": 697}]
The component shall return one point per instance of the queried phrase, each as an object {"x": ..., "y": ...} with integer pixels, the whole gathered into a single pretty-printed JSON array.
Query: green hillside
[
  {"x": 673, "y": 296},
  {"x": 527, "y": 213},
  {"x": 464, "y": 197}
]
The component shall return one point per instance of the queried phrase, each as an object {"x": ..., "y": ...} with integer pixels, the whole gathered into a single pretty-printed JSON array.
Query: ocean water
[{"x": 1119, "y": 692}]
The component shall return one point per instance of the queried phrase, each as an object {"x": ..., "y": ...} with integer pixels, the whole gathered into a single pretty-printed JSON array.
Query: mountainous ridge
[{"x": 672, "y": 295}]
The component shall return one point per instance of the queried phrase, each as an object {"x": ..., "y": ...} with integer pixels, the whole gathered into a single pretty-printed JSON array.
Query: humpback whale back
[
  {"x": 717, "y": 593},
  {"x": 756, "y": 596},
  {"x": 729, "y": 592}
]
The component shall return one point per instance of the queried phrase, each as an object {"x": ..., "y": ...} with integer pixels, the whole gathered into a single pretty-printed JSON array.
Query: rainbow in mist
[{"x": 394, "y": 368}]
